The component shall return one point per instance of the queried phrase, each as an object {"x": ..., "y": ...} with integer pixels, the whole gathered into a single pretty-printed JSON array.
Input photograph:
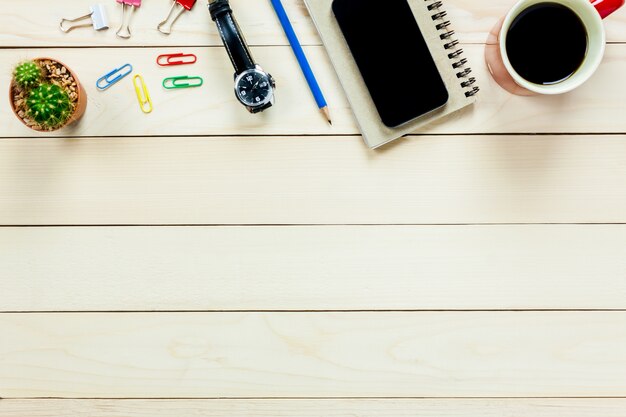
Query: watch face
[{"x": 254, "y": 88}]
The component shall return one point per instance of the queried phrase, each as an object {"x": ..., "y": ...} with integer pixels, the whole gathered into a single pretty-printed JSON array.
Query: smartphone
[{"x": 393, "y": 58}]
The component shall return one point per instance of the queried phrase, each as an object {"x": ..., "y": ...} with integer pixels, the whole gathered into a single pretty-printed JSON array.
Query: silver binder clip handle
[
  {"x": 124, "y": 30},
  {"x": 97, "y": 15},
  {"x": 165, "y": 26},
  {"x": 68, "y": 25}
]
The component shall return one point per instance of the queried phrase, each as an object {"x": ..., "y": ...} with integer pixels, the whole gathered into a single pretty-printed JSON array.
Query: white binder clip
[{"x": 97, "y": 15}]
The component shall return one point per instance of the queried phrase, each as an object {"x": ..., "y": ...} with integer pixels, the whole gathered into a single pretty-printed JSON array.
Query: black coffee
[{"x": 547, "y": 43}]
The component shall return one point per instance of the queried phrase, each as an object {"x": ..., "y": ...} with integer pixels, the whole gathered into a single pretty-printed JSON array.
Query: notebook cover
[{"x": 375, "y": 133}]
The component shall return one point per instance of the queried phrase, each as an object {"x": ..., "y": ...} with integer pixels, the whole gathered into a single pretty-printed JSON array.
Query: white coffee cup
[{"x": 591, "y": 15}]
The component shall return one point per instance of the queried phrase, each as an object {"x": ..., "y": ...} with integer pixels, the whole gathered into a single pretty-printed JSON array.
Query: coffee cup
[{"x": 548, "y": 46}]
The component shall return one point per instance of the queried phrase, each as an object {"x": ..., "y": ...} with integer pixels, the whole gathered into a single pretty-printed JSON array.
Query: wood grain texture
[
  {"x": 313, "y": 180},
  {"x": 312, "y": 268},
  {"x": 200, "y": 159},
  {"x": 597, "y": 107},
  {"x": 39, "y": 27},
  {"x": 279, "y": 355},
  {"x": 315, "y": 408}
]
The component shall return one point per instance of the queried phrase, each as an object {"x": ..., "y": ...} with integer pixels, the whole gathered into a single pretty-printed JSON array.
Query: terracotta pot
[{"x": 81, "y": 103}]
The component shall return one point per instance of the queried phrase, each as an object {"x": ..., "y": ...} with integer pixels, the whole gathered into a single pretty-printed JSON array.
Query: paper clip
[
  {"x": 145, "y": 102},
  {"x": 182, "y": 82},
  {"x": 176, "y": 59},
  {"x": 98, "y": 17},
  {"x": 165, "y": 26},
  {"x": 113, "y": 77},
  {"x": 124, "y": 30}
]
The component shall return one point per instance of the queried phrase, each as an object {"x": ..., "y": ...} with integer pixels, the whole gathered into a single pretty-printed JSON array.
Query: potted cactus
[{"x": 46, "y": 95}]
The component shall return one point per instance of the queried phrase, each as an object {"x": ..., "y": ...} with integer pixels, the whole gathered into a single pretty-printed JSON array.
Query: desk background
[{"x": 200, "y": 261}]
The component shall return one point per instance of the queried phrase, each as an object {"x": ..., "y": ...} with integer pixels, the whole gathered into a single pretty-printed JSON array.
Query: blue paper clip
[{"x": 113, "y": 77}]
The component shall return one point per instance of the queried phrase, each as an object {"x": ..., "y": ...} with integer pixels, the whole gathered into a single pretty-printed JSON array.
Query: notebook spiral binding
[{"x": 450, "y": 44}]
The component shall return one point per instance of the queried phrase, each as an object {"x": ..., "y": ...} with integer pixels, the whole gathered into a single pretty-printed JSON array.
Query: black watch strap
[{"x": 231, "y": 35}]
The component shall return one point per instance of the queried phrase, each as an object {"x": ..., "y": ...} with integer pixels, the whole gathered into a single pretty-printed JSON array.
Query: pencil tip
[{"x": 326, "y": 113}]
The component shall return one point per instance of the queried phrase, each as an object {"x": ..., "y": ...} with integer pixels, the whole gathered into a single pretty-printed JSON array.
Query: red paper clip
[{"x": 176, "y": 59}]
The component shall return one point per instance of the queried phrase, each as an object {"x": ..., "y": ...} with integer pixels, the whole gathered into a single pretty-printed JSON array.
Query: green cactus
[
  {"x": 27, "y": 75},
  {"x": 49, "y": 105}
]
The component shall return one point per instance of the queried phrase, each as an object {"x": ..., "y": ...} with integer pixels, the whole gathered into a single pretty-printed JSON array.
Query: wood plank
[
  {"x": 313, "y": 180},
  {"x": 311, "y": 268},
  {"x": 597, "y": 107},
  {"x": 281, "y": 355},
  {"x": 315, "y": 408},
  {"x": 39, "y": 27}
]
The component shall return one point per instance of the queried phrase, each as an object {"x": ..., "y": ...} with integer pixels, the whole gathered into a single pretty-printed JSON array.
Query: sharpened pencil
[{"x": 302, "y": 60}]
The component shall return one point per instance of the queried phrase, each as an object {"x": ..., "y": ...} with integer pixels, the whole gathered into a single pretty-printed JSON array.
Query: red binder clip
[
  {"x": 178, "y": 7},
  {"x": 167, "y": 60}
]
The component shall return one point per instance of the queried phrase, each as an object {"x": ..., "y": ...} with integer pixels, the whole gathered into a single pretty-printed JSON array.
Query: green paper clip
[{"x": 182, "y": 82}]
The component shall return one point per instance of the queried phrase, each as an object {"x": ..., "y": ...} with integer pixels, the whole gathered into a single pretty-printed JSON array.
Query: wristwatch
[{"x": 254, "y": 88}]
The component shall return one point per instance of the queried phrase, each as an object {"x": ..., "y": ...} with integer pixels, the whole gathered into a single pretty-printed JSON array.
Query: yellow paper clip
[{"x": 145, "y": 103}]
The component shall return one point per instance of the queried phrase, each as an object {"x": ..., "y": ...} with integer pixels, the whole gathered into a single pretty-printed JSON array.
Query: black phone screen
[{"x": 393, "y": 58}]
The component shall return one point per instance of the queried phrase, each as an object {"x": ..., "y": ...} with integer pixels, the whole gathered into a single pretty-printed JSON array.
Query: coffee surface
[{"x": 547, "y": 43}]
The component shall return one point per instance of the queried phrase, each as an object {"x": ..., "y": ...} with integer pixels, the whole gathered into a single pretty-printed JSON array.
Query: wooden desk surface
[{"x": 200, "y": 261}]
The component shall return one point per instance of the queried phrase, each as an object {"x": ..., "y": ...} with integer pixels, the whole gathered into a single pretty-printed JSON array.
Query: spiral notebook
[{"x": 444, "y": 49}]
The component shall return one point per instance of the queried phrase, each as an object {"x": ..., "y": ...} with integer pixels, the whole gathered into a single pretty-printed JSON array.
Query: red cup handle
[{"x": 606, "y": 7}]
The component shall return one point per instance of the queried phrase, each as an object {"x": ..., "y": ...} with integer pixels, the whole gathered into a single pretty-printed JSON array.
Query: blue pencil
[{"x": 304, "y": 63}]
